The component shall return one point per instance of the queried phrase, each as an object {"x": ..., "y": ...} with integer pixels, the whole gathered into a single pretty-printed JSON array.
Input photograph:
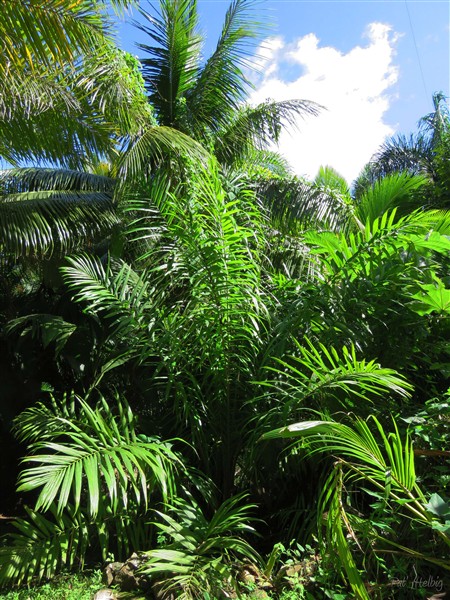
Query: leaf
[
  {"x": 299, "y": 429},
  {"x": 43, "y": 546},
  {"x": 437, "y": 506},
  {"x": 90, "y": 453},
  {"x": 432, "y": 298},
  {"x": 51, "y": 211}
]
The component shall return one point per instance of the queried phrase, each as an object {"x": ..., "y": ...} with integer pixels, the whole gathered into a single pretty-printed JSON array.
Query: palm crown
[{"x": 205, "y": 99}]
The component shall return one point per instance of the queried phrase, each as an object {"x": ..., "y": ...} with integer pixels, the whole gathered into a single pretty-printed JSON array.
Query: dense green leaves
[
  {"x": 92, "y": 451},
  {"x": 319, "y": 375},
  {"x": 43, "y": 546},
  {"x": 214, "y": 297},
  {"x": 45, "y": 211},
  {"x": 384, "y": 464},
  {"x": 200, "y": 554}
]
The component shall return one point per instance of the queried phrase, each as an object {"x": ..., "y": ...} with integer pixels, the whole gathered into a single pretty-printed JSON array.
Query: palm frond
[
  {"x": 41, "y": 421},
  {"x": 47, "y": 328},
  {"x": 113, "y": 85},
  {"x": 269, "y": 162},
  {"x": 96, "y": 451},
  {"x": 29, "y": 179},
  {"x": 356, "y": 442},
  {"x": 44, "y": 546},
  {"x": 221, "y": 84},
  {"x": 53, "y": 31},
  {"x": 116, "y": 290},
  {"x": 437, "y": 123},
  {"x": 259, "y": 126},
  {"x": 199, "y": 557},
  {"x": 383, "y": 461},
  {"x": 295, "y": 205},
  {"x": 319, "y": 372},
  {"x": 43, "y": 212},
  {"x": 411, "y": 154},
  {"x": 154, "y": 145},
  {"x": 67, "y": 112},
  {"x": 171, "y": 66},
  {"x": 392, "y": 191}
]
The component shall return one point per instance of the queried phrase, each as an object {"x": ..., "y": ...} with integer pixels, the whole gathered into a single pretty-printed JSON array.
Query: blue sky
[{"x": 374, "y": 64}]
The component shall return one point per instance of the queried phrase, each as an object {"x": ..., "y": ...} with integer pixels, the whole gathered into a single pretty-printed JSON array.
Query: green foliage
[
  {"x": 384, "y": 464},
  {"x": 48, "y": 211},
  {"x": 203, "y": 98},
  {"x": 201, "y": 552},
  {"x": 318, "y": 373},
  {"x": 199, "y": 280},
  {"x": 43, "y": 547},
  {"x": 234, "y": 299},
  {"x": 66, "y": 90},
  {"x": 64, "y": 587},
  {"x": 93, "y": 452},
  {"x": 94, "y": 475}
]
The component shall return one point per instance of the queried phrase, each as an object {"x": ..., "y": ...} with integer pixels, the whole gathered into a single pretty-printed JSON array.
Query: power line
[{"x": 417, "y": 52}]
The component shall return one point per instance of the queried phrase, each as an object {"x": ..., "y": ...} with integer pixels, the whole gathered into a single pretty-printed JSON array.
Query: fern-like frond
[
  {"x": 319, "y": 372},
  {"x": 260, "y": 126},
  {"x": 93, "y": 451},
  {"x": 44, "y": 546}
]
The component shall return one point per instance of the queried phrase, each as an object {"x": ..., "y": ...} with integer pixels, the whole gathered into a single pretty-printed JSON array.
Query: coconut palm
[
  {"x": 65, "y": 89},
  {"x": 204, "y": 99},
  {"x": 68, "y": 98}
]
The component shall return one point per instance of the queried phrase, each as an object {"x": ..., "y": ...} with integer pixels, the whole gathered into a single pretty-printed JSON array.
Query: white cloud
[{"x": 353, "y": 86}]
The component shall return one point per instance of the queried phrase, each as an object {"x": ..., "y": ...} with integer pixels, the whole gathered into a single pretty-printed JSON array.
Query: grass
[{"x": 65, "y": 587}]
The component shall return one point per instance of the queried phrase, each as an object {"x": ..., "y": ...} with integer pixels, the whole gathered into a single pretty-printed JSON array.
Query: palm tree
[
  {"x": 68, "y": 99},
  {"x": 205, "y": 99},
  {"x": 65, "y": 89},
  {"x": 416, "y": 154}
]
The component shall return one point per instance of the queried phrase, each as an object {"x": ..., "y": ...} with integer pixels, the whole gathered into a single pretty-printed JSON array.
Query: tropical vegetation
[{"x": 238, "y": 374}]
